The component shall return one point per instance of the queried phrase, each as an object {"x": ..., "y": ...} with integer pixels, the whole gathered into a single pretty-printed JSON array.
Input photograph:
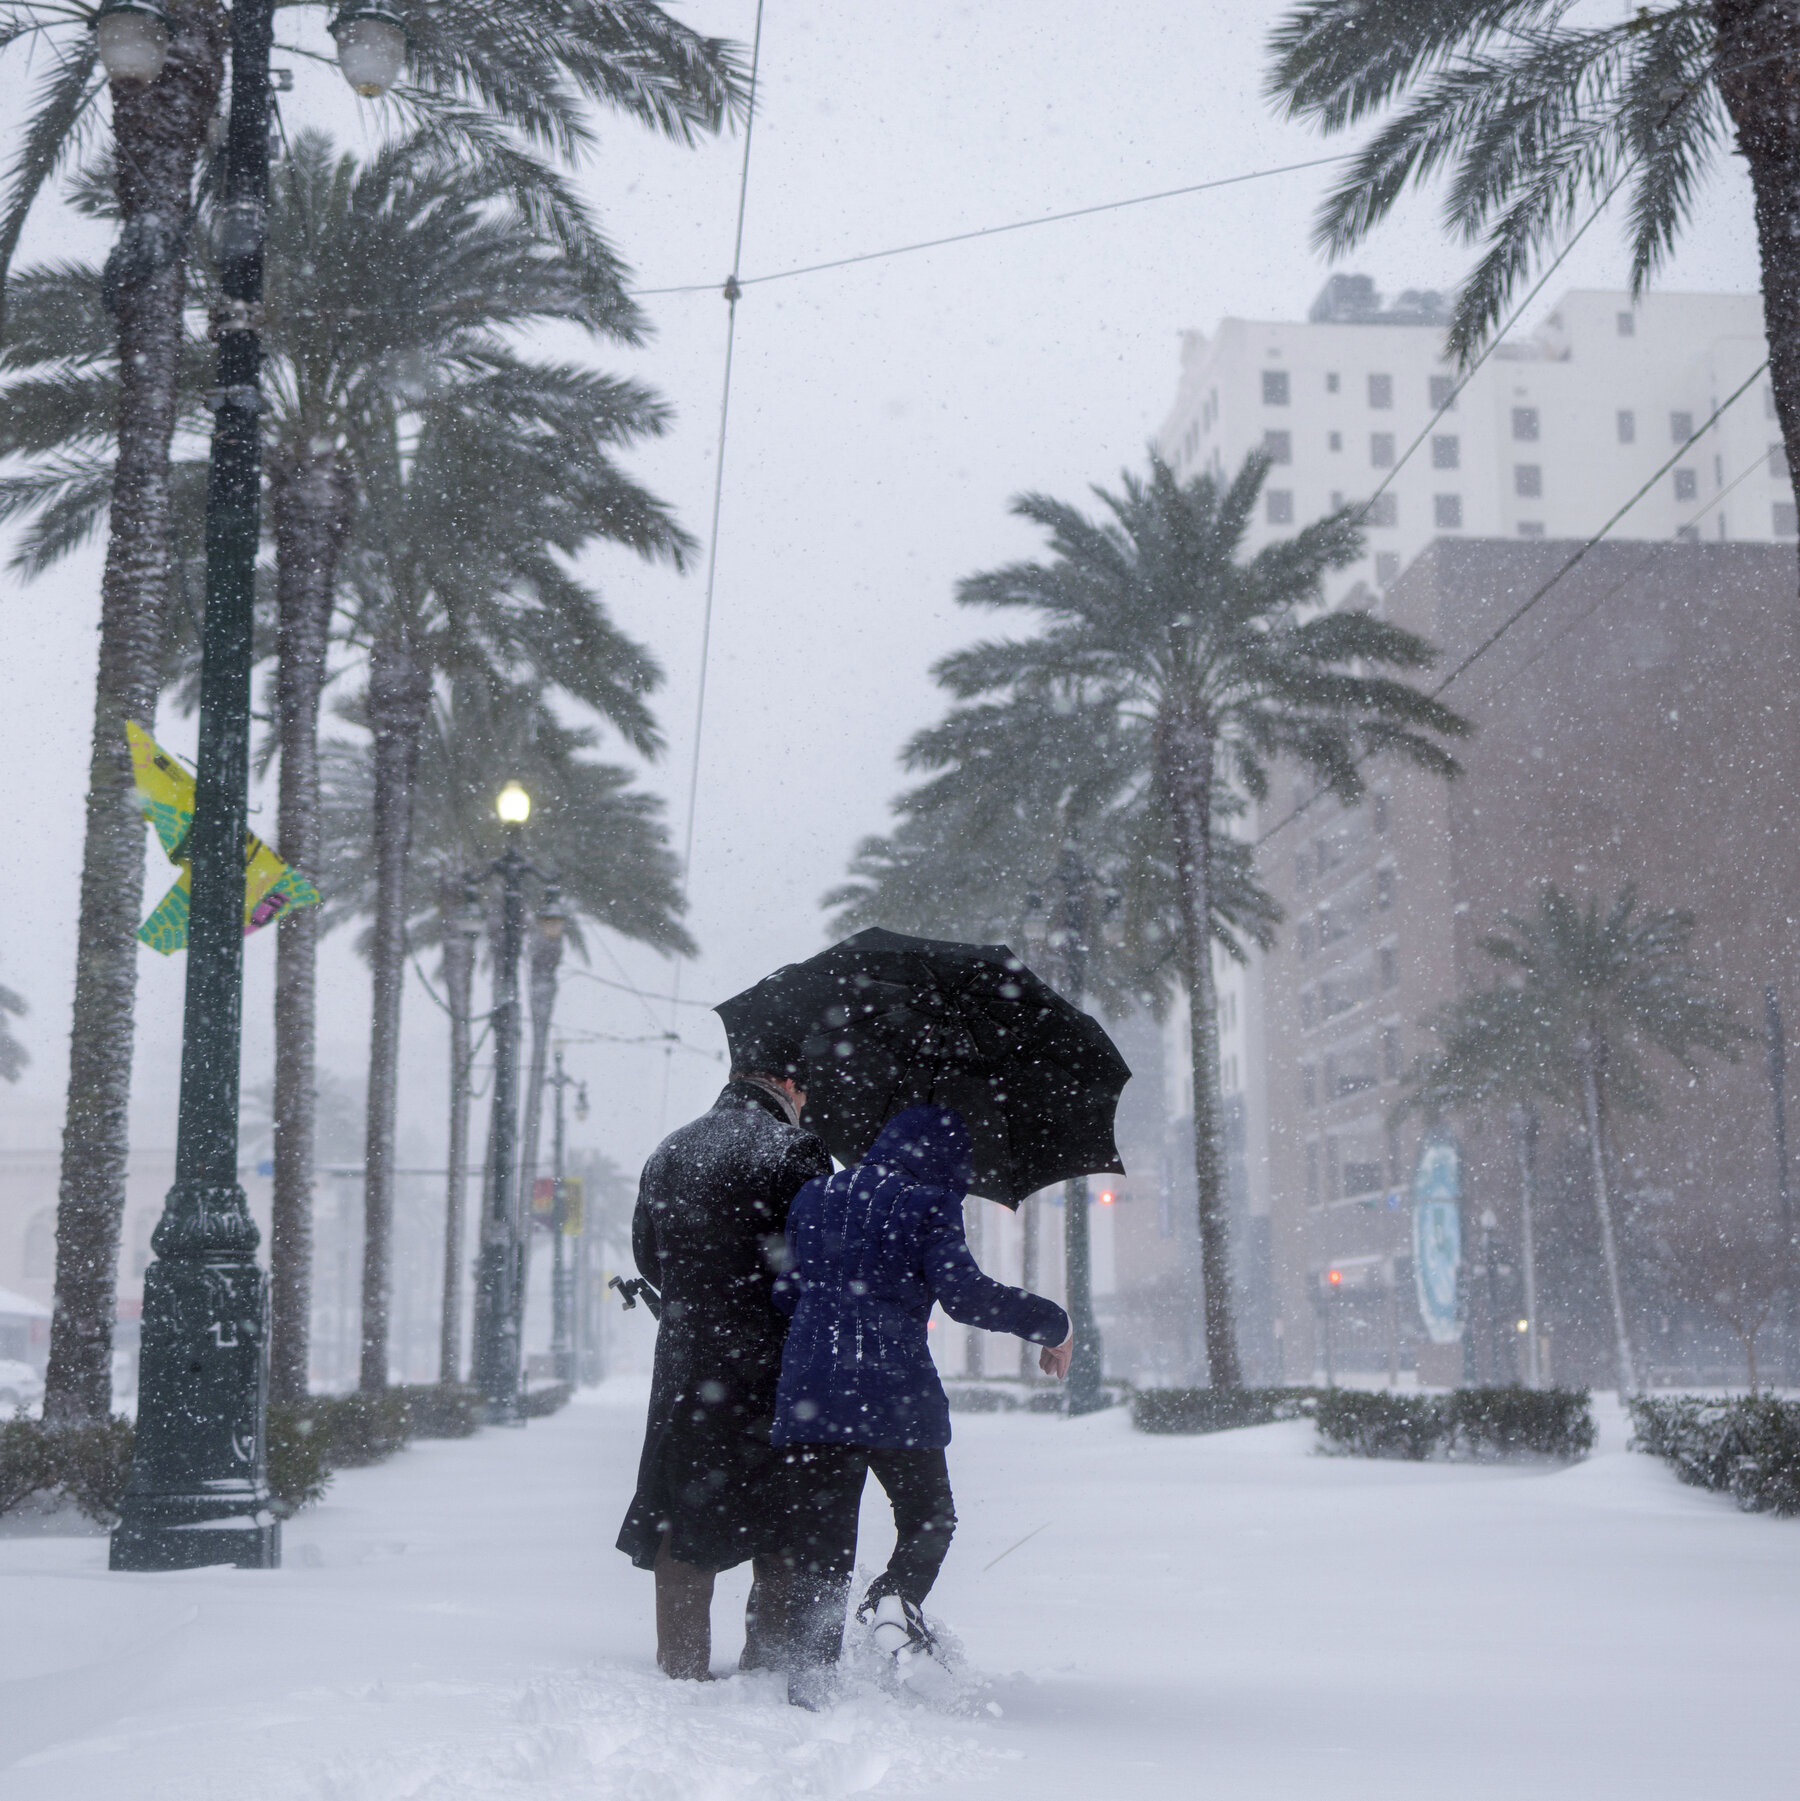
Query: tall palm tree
[
  {"x": 1222, "y": 665},
  {"x": 1537, "y": 117},
  {"x": 603, "y": 837},
  {"x": 478, "y": 76},
  {"x": 1042, "y": 801},
  {"x": 1582, "y": 996},
  {"x": 461, "y": 567}
]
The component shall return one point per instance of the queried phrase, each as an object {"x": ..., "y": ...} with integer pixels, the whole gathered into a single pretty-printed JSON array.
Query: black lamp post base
[{"x": 167, "y": 1536}]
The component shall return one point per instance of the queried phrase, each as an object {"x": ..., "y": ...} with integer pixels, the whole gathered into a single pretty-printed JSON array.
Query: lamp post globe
[
  {"x": 513, "y": 805},
  {"x": 371, "y": 48},
  {"x": 132, "y": 37}
]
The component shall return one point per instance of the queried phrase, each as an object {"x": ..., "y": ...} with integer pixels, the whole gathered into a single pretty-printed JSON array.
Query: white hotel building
[{"x": 1549, "y": 438}]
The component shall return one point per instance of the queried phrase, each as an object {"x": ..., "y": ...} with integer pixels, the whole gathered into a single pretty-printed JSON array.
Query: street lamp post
[
  {"x": 562, "y": 1343},
  {"x": 1489, "y": 1223},
  {"x": 497, "y": 1318},
  {"x": 1084, "y": 1392},
  {"x": 460, "y": 911},
  {"x": 198, "y": 1491}
]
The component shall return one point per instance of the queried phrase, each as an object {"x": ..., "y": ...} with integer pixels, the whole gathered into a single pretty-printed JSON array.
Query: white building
[{"x": 1549, "y": 438}]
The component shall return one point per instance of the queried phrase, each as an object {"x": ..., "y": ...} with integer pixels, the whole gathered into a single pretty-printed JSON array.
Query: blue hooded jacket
[{"x": 868, "y": 1251}]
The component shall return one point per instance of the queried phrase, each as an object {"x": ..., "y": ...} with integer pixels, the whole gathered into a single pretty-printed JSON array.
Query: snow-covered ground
[{"x": 1231, "y": 1616}]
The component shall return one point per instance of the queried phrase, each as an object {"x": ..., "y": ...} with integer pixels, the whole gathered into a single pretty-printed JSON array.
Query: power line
[
  {"x": 643, "y": 994},
  {"x": 1532, "y": 600},
  {"x": 733, "y": 290},
  {"x": 991, "y": 231}
]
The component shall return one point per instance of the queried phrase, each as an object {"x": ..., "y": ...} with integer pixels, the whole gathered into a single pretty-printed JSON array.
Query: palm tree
[
  {"x": 1536, "y": 118},
  {"x": 1582, "y": 997},
  {"x": 461, "y": 568},
  {"x": 604, "y": 838},
  {"x": 478, "y": 75},
  {"x": 1048, "y": 794},
  {"x": 1221, "y": 668}
]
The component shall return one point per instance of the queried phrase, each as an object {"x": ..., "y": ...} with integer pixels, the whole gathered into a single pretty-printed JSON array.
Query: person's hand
[{"x": 1054, "y": 1361}]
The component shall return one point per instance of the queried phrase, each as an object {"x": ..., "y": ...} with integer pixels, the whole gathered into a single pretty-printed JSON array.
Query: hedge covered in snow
[{"x": 1748, "y": 1449}]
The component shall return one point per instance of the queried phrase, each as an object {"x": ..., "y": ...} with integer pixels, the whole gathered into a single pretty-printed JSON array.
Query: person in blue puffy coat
[{"x": 869, "y": 1250}]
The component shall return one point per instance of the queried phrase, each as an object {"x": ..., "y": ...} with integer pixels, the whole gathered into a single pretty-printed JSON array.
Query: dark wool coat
[
  {"x": 868, "y": 1251},
  {"x": 707, "y": 1232}
]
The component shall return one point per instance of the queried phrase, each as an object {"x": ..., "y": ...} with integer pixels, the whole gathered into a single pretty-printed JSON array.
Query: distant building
[
  {"x": 1638, "y": 725},
  {"x": 1549, "y": 438}
]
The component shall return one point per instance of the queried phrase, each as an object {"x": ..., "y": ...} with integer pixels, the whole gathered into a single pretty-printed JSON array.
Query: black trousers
[{"x": 826, "y": 1484}]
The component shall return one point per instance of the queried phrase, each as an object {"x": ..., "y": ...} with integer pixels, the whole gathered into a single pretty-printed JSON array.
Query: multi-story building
[
  {"x": 1545, "y": 441},
  {"x": 1637, "y": 726}
]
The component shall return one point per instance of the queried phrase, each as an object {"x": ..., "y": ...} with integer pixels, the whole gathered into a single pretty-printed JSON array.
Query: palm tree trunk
[
  {"x": 1525, "y": 1145},
  {"x": 399, "y": 696},
  {"x": 1759, "y": 80},
  {"x": 1088, "y": 1357},
  {"x": 1028, "y": 1280},
  {"x": 1592, "y": 1053},
  {"x": 312, "y": 502},
  {"x": 545, "y": 955},
  {"x": 1185, "y": 758},
  {"x": 459, "y": 981},
  {"x": 159, "y": 130}
]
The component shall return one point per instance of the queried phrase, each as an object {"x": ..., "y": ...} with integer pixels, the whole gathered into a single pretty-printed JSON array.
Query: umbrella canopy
[{"x": 885, "y": 1021}]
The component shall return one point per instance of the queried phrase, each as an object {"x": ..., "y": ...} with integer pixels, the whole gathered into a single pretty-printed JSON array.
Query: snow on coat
[
  {"x": 868, "y": 1252},
  {"x": 707, "y": 1232}
]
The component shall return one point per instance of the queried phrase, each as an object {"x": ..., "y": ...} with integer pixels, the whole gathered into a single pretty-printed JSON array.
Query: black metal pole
[
  {"x": 497, "y": 1325},
  {"x": 1784, "y": 1198},
  {"x": 1490, "y": 1256},
  {"x": 1085, "y": 1363},
  {"x": 198, "y": 1491},
  {"x": 562, "y": 1349}
]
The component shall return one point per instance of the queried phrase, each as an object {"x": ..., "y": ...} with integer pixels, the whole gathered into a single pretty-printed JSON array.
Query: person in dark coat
[
  {"x": 868, "y": 1252},
  {"x": 707, "y": 1233}
]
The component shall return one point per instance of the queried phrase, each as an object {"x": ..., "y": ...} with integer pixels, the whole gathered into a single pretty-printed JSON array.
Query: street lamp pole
[
  {"x": 562, "y": 1344},
  {"x": 1084, "y": 1392},
  {"x": 198, "y": 1492}
]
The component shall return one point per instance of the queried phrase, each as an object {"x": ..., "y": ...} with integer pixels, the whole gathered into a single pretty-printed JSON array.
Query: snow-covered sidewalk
[{"x": 1217, "y": 1617}]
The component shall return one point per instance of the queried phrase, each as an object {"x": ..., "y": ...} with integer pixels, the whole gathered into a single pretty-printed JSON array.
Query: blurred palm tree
[
  {"x": 1219, "y": 666},
  {"x": 1583, "y": 995},
  {"x": 1536, "y": 116},
  {"x": 481, "y": 80}
]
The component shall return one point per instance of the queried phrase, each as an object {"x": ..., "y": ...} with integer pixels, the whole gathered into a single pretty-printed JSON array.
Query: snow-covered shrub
[
  {"x": 86, "y": 1465},
  {"x": 298, "y": 1447},
  {"x": 1748, "y": 1449},
  {"x": 442, "y": 1410},
  {"x": 541, "y": 1402},
  {"x": 1218, "y": 1409},
  {"x": 1474, "y": 1424}
]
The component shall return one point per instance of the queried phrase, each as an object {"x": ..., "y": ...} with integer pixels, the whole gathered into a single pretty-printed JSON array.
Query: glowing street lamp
[
  {"x": 371, "y": 47},
  {"x": 132, "y": 37},
  {"x": 513, "y": 805}
]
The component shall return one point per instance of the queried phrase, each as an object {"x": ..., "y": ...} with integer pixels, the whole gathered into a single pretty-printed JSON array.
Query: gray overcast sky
[{"x": 881, "y": 418}]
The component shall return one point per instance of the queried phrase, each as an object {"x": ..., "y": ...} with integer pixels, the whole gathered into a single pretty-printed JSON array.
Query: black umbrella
[{"x": 887, "y": 1021}]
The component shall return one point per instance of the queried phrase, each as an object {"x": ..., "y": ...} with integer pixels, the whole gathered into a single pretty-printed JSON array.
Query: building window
[
  {"x": 1443, "y": 394},
  {"x": 1627, "y": 325},
  {"x": 1337, "y": 500},
  {"x": 1278, "y": 446},
  {"x": 1528, "y": 480},
  {"x": 1446, "y": 453},
  {"x": 1778, "y": 463},
  {"x": 1335, "y": 440},
  {"x": 1531, "y": 528},
  {"x": 1525, "y": 424},
  {"x": 1681, "y": 427},
  {"x": 1390, "y": 1053},
  {"x": 1787, "y": 521},
  {"x": 1309, "y": 1087},
  {"x": 1446, "y": 510},
  {"x": 40, "y": 1245},
  {"x": 1278, "y": 506},
  {"x": 1390, "y": 966},
  {"x": 1381, "y": 391},
  {"x": 1387, "y": 565},
  {"x": 1331, "y": 382},
  {"x": 1384, "y": 887},
  {"x": 1361, "y": 1178},
  {"x": 1381, "y": 449},
  {"x": 1312, "y": 1175},
  {"x": 1687, "y": 534},
  {"x": 1331, "y": 1167},
  {"x": 1627, "y": 425},
  {"x": 1378, "y": 813},
  {"x": 1275, "y": 387},
  {"x": 1687, "y": 485}
]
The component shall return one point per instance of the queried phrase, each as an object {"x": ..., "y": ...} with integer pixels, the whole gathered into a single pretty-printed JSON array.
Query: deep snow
[{"x": 1227, "y": 1616}]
